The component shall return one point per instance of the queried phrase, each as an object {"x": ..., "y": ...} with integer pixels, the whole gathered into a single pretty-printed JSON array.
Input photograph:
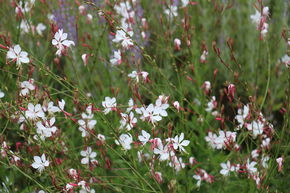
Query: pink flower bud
[
  {"x": 231, "y": 91},
  {"x": 82, "y": 9},
  {"x": 280, "y": 163},
  {"x": 85, "y": 59},
  {"x": 177, "y": 44}
]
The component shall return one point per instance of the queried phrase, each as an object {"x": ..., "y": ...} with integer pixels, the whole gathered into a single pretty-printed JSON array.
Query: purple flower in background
[
  {"x": 175, "y": 3},
  {"x": 140, "y": 37},
  {"x": 65, "y": 18}
]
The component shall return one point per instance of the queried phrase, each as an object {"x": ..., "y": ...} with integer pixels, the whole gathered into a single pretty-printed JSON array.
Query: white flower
[
  {"x": 61, "y": 104},
  {"x": 171, "y": 12},
  {"x": 207, "y": 85},
  {"x": 180, "y": 143},
  {"x": 160, "y": 107},
  {"x": 19, "y": 56},
  {"x": 125, "y": 141},
  {"x": 198, "y": 178},
  {"x": 149, "y": 113},
  {"x": 130, "y": 105},
  {"x": 86, "y": 124},
  {"x": 135, "y": 75},
  {"x": 266, "y": 143},
  {"x": 259, "y": 19},
  {"x": 211, "y": 104},
  {"x": 176, "y": 105},
  {"x": 251, "y": 167},
  {"x": 69, "y": 187},
  {"x": 280, "y": 161},
  {"x": 51, "y": 17},
  {"x": 242, "y": 116},
  {"x": 255, "y": 154},
  {"x": 101, "y": 137},
  {"x": 26, "y": 87},
  {"x": 221, "y": 141},
  {"x": 47, "y": 129},
  {"x": 123, "y": 9},
  {"x": 163, "y": 151},
  {"x": 24, "y": 8},
  {"x": 109, "y": 104},
  {"x": 87, "y": 121},
  {"x": 256, "y": 17},
  {"x": 203, "y": 56},
  {"x": 34, "y": 112},
  {"x": 40, "y": 28},
  {"x": 85, "y": 58},
  {"x": 144, "y": 138},
  {"x": 264, "y": 161},
  {"x": 128, "y": 121},
  {"x": 192, "y": 160},
  {"x": 177, "y": 43},
  {"x": 125, "y": 39},
  {"x": 153, "y": 113},
  {"x": 2, "y": 94},
  {"x": 50, "y": 108},
  {"x": 184, "y": 3},
  {"x": 176, "y": 163},
  {"x": 88, "y": 155},
  {"x": 144, "y": 75},
  {"x": 256, "y": 127},
  {"x": 117, "y": 58},
  {"x": 286, "y": 60},
  {"x": 60, "y": 41},
  {"x": 40, "y": 163},
  {"x": 24, "y": 26},
  {"x": 89, "y": 17},
  {"x": 227, "y": 168}
]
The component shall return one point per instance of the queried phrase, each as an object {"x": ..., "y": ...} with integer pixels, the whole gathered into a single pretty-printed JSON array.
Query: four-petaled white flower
[
  {"x": 242, "y": 116},
  {"x": 125, "y": 141},
  {"x": 88, "y": 155},
  {"x": 251, "y": 167},
  {"x": 19, "y": 56},
  {"x": 211, "y": 104},
  {"x": 124, "y": 38},
  {"x": 61, "y": 104},
  {"x": 26, "y": 87},
  {"x": 124, "y": 10},
  {"x": 60, "y": 41},
  {"x": 40, "y": 28},
  {"x": 128, "y": 121},
  {"x": 256, "y": 127},
  {"x": 47, "y": 129},
  {"x": 117, "y": 58},
  {"x": 171, "y": 11},
  {"x": 50, "y": 108},
  {"x": 227, "y": 168},
  {"x": 135, "y": 75},
  {"x": 144, "y": 138},
  {"x": 87, "y": 121},
  {"x": 109, "y": 104},
  {"x": 40, "y": 163},
  {"x": 130, "y": 105},
  {"x": 34, "y": 112},
  {"x": 176, "y": 163},
  {"x": 180, "y": 143},
  {"x": 163, "y": 151}
]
